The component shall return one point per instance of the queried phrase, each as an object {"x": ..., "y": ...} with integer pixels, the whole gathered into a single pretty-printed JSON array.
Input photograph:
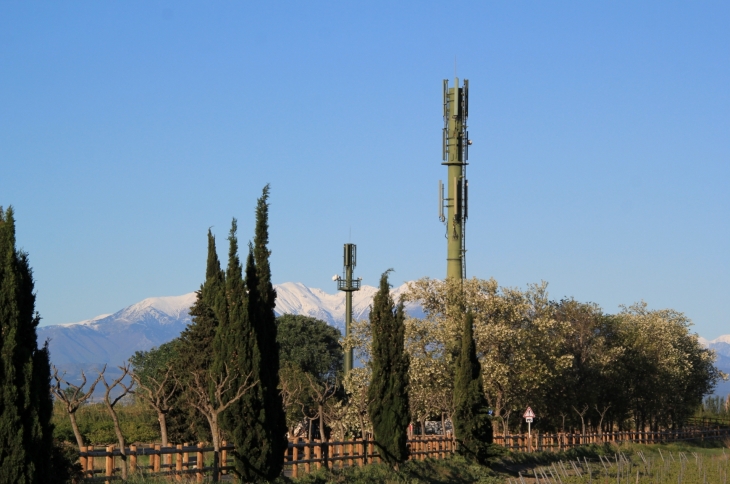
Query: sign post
[{"x": 529, "y": 415}]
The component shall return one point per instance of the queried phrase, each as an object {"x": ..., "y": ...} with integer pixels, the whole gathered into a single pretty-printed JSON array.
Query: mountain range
[{"x": 110, "y": 339}]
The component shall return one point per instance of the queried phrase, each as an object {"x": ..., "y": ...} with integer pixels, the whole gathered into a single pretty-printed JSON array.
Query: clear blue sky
[{"x": 600, "y": 160}]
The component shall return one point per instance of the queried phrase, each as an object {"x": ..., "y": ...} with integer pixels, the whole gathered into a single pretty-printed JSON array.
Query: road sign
[
  {"x": 528, "y": 419},
  {"x": 529, "y": 414}
]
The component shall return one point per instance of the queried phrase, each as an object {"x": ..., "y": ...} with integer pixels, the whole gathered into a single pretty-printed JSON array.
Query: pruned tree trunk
[
  {"x": 73, "y": 396},
  {"x": 158, "y": 393},
  {"x": 582, "y": 421},
  {"x": 111, "y": 402},
  {"x": 212, "y": 405}
]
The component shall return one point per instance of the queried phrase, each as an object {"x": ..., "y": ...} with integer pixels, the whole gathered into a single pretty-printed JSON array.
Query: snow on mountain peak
[
  {"x": 174, "y": 306},
  {"x": 725, "y": 338}
]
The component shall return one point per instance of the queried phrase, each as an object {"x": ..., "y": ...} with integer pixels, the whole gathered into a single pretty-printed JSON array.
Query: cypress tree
[
  {"x": 209, "y": 307},
  {"x": 26, "y": 433},
  {"x": 472, "y": 427},
  {"x": 262, "y": 301},
  {"x": 195, "y": 351},
  {"x": 235, "y": 346},
  {"x": 388, "y": 391}
]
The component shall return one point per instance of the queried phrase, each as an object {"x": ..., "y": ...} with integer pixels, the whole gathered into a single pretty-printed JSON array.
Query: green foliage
[
  {"x": 65, "y": 464},
  {"x": 195, "y": 347},
  {"x": 472, "y": 427},
  {"x": 137, "y": 420},
  {"x": 453, "y": 470},
  {"x": 26, "y": 433},
  {"x": 311, "y": 344},
  {"x": 307, "y": 346},
  {"x": 237, "y": 353},
  {"x": 246, "y": 346},
  {"x": 156, "y": 361},
  {"x": 388, "y": 391},
  {"x": 577, "y": 367},
  {"x": 263, "y": 319},
  {"x": 715, "y": 406}
]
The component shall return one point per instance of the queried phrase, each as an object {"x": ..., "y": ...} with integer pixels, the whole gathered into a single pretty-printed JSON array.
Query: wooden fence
[
  {"x": 563, "y": 441},
  {"x": 196, "y": 461},
  {"x": 102, "y": 464}
]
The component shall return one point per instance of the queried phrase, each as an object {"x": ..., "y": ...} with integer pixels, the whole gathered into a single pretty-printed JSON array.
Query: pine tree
[
  {"x": 472, "y": 427},
  {"x": 262, "y": 300},
  {"x": 26, "y": 433},
  {"x": 388, "y": 391}
]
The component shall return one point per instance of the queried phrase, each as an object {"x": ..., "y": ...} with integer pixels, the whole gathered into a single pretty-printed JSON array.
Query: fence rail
[
  {"x": 103, "y": 464},
  {"x": 563, "y": 441}
]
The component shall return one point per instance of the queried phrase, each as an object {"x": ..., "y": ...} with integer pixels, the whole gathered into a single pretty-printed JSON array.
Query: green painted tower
[
  {"x": 348, "y": 285},
  {"x": 455, "y": 153}
]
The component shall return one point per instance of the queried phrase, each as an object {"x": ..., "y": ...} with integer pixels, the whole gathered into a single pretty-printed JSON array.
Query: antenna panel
[
  {"x": 444, "y": 150},
  {"x": 466, "y": 199},
  {"x": 441, "y": 201},
  {"x": 350, "y": 255}
]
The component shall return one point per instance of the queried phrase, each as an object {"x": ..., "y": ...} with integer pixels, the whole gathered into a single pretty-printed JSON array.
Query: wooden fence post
[
  {"x": 224, "y": 458},
  {"x": 178, "y": 462},
  {"x": 307, "y": 455},
  {"x": 156, "y": 459},
  {"x": 199, "y": 463},
  {"x": 361, "y": 446},
  {"x": 132, "y": 459},
  {"x": 82, "y": 458},
  {"x": 90, "y": 461},
  {"x": 109, "y": 463},
  {"x": 318, "y": 453},
  {"x": 186, "y": 456},
  {"x": 294, "y": 458}
]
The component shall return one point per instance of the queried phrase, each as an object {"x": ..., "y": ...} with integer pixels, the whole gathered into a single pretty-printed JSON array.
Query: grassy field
[{"x": 682, "y": 463}]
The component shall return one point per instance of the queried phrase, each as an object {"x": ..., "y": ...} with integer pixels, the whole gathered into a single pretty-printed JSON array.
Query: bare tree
[
  {"x": 73, "y": 396},
  {"x": 111, "y": 402},
  {"x": 158, "y": 392},
  {"x": 291, "y": 390},
  {"x": 602, "y": 414},
  {"x": 320, "y": 394},
  {"x": 563, "y": 415},
  {"x": 582, "y": 420},
  {"x": 211, "y": 405}
]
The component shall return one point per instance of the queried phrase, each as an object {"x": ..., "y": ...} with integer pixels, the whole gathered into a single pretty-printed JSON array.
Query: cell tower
[
  {"x": 348, "y": 285},
  {"x": 455, "y": 153}
]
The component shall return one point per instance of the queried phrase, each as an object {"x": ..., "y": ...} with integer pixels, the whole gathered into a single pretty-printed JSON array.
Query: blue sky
[{"x": 600, "y": 160}]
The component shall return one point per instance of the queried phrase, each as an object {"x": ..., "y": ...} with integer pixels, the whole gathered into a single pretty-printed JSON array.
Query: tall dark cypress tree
[
  {"x": 388, "y": 391},
  {"x": 207, "y": 311},
  {"x": 245, "y": 419},
  {"x": 196, "y": 341},
  {"x": 472, "y": 427},
  {"x": 262, "y": 300},
  {"x": 26, "y": 433}
]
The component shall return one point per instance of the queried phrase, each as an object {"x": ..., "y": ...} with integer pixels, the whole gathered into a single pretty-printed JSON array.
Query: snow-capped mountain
[
  {"x": 296, "y": 298},
  {"x": 112, "y": 338}
]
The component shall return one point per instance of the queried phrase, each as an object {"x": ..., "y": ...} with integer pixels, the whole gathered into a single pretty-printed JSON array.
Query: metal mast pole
[
  {"x": 348, "y": 285},
  {"x": 455, "y": 153}
]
